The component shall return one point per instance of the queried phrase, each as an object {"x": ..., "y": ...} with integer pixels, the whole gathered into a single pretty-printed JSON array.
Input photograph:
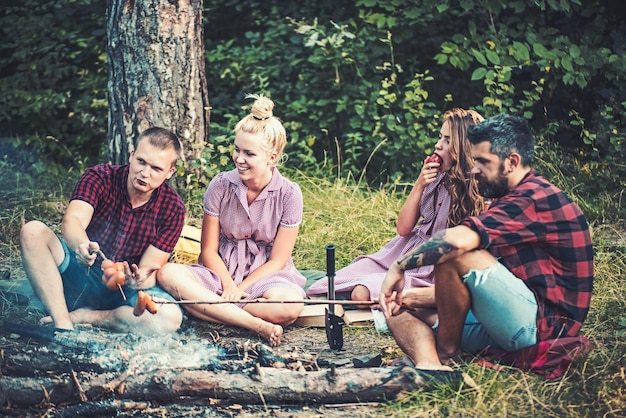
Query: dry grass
[{"x": 359, "y": 221}]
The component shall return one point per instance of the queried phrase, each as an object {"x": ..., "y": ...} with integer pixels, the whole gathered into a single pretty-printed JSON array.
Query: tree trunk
[{"x": 156, "y": 73}]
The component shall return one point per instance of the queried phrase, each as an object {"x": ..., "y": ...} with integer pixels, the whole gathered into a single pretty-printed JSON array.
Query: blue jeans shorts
[
  {"x": 503, "y": 312},
  {"x": 83, "y": 286}
]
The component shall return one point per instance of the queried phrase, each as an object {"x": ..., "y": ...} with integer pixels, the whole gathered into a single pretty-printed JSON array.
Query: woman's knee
[
  {"x": 166, "y": 275},
  {"x": 360, "y": 293}
]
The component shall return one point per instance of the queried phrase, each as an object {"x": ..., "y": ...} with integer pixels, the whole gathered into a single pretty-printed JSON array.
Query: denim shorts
[
  {"x": 83, "y": 286},
  {"x": 503, "y": 312}
]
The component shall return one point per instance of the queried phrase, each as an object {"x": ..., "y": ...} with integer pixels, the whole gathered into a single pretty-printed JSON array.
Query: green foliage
[
  {"x": 53, "y": 77},
  {"x": 364, "y": 90},
  {"x": 360, "y": 86}
]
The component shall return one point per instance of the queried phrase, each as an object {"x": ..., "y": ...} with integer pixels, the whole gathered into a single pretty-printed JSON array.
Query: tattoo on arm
[{"x": 428, "y": 253}]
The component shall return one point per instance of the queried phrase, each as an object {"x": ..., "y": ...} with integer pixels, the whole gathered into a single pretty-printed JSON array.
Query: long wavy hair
[{"x": 462, "y": 186}]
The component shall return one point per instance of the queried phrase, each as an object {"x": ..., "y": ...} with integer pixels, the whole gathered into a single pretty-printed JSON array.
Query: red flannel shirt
[
  {"x": 122, "y": 232},
  {"x": 543, "y": 238}
]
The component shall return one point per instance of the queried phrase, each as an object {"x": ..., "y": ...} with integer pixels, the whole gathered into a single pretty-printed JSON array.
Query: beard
[{"x": 493, "y": 189}]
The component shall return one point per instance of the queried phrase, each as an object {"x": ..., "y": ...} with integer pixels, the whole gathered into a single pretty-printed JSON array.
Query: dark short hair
[
  {"x": 161, "y": 138},
  {"x": 506, "y": 134}
]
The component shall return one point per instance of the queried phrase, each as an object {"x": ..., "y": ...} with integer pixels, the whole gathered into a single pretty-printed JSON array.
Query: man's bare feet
[
  {"x": 79, "y": 316},
  {"x": 452, "y": 357},
  {"x": 271, "y": 332},
  {"x": 48, "y": 320},
  {"x": 429, "y": 366}
]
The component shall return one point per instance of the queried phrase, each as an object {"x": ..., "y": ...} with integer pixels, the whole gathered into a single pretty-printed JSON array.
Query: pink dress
[
  {"x": 247, "y": 232},
  {"x": 370, "y": 270}
]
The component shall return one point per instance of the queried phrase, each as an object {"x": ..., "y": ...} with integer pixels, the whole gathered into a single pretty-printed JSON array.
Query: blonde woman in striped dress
[{"x": 251, "y": 220}]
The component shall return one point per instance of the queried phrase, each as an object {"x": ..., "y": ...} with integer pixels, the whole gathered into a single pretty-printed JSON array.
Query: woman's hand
[
  {"x": 429, "y": 171},
  {"x": 232, "y": 293}
]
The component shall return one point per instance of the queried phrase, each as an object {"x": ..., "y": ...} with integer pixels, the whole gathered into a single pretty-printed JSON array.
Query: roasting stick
[
  {"x": 305, "y": 301},
  {"x": 104, "y": 257},
  {"x": 159, "y": 300}
]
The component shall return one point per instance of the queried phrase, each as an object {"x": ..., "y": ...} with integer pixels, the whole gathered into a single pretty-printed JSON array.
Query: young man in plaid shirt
[
  {"x": 517, "y": 274},
  {"x": 128, "y": 213}
]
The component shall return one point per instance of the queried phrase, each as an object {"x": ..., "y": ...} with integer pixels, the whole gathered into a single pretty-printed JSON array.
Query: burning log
[
  {"x": 95, "y": 368},
  {"x": 276, "y": 386}
]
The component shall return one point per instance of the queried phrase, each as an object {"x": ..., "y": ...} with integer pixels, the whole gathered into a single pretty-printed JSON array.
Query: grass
[{"x": 357, "y": 221}]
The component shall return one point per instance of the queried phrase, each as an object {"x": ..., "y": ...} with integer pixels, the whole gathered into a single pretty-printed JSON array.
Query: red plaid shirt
[
  {"x": 122, "y": 232},
  {"x": 543, "y": 238}
]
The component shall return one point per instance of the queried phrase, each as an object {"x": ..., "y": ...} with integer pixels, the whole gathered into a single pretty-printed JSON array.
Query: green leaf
[
  {"x": 441, "y": 58},
  {"x": 566, "y": 63},
  {"x": 479, "y": 56},
  {"x": 493, "y": 57},
  {"x": 479, "y": 73},
  {"x": 521, "y": 52}
]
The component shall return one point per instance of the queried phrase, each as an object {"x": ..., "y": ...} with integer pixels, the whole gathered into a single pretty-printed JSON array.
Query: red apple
[{"x": 434, "y": 159}]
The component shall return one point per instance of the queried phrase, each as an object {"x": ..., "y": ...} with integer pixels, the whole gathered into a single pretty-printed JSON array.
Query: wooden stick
[
  {"x": 305, "y": 301},
  {"x": 101, "y": 254}
]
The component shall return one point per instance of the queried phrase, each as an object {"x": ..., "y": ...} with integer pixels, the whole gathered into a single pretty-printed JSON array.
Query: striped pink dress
[
  {"x": 248, "y": 231},
  {"x": 370, "y": 270}
]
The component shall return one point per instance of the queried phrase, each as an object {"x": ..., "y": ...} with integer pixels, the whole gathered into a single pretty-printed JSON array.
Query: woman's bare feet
[{"x": 271, "y": 332}]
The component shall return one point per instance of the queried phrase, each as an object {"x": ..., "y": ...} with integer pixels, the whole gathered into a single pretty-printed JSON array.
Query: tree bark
[{"x": 156, "y": 73}]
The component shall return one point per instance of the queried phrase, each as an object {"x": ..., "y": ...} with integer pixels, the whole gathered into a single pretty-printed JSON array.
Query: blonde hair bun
[{"x": 262, "y": 107}]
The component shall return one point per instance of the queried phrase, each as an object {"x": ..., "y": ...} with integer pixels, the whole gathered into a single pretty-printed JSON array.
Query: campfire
[{"x": 88, "y": 371}]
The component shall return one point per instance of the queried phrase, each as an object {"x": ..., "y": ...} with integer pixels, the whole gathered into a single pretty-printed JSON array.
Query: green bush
[
  {"x": 359, "y": 85},
  {"x": 53, "y": 78}
]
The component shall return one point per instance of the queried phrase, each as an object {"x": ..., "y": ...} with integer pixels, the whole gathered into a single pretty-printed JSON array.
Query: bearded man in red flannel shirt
[
  {"x": 130, "y": 214},
  {"x": 519, "y": 273}
]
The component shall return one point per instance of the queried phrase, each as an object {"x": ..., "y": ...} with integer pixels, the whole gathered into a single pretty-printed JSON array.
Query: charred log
[
  {"x": 261, "y": 385},
  {"x": 94, "y": 368}
]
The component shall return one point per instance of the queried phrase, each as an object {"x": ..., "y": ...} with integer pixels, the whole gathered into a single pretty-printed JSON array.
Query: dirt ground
[{"x": 362, "y": 344}]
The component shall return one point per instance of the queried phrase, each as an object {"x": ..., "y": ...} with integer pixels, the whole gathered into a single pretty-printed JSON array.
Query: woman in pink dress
[
  {"x": 251, "y": 220},
  {"x": 443, "y": 194}
]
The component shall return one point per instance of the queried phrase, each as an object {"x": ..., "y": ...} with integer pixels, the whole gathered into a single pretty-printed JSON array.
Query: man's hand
[
  {"x": 113, "y": 274},
  {"x": 140, "y": 277},
  {"x": 391, "y": 291},
  {"x": 86, "y": 253}
]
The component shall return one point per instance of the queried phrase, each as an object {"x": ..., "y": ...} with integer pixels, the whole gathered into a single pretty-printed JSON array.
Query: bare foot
[
  {"x": 79, "y": 316},
  {"x": 84, "y": 316},
  {"x": 423, "y": 365},
  {"x": 428, "y": 366},
  {"x": 271, "y": 332},
  {"x": 48, "y": 320},
  {"x": 449, "y": 357}
]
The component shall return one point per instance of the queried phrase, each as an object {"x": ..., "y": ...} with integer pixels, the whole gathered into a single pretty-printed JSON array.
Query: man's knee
[
  {"x": 472, "y": 260},
  {"x": 32, "y": 232}
]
